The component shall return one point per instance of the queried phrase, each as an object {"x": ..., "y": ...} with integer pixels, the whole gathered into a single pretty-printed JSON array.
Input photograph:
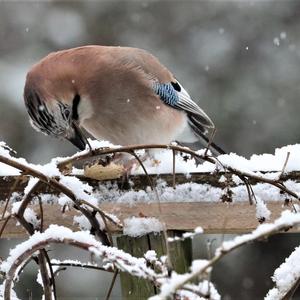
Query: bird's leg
[
  {"x": 126, "y": 161},
  {"x": 91, "y": 149},
  {"x": 129, "y": 163}
]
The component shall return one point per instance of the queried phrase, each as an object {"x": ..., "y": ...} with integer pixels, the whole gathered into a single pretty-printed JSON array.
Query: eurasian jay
[{"x": 120, "y": 94}]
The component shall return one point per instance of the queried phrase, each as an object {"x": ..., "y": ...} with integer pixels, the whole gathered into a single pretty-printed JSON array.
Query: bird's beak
[{"x": 76, "y": 137}]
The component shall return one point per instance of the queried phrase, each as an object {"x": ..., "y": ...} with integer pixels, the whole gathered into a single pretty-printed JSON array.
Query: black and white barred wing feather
[{"x": 175, "y": 95}]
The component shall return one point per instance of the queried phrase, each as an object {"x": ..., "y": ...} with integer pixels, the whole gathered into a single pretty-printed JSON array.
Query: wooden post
[
  {"x": 134, "y": 287},
  {"x": 181, "y": 253},
  {"x": 181, "y": 257}
]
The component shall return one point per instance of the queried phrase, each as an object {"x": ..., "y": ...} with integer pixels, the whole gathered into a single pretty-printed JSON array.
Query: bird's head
[{"x": 53, "y": 106}]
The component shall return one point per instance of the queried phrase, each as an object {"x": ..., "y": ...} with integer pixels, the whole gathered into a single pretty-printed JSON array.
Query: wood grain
[{"x": 212, "y": 217}]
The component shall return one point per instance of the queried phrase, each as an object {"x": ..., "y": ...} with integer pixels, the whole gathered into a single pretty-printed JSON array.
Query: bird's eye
[
  {"x": 64, "y": 110},
  {"x": 67, "y": 113},
  {"x": 176, "y": 86},
  {"x": 76, "y": 101}
]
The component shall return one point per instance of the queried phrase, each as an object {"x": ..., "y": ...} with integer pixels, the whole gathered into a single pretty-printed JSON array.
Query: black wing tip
[{"x": 200, "y": 131}]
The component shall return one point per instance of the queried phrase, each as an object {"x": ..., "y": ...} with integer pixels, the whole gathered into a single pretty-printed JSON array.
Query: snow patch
[
  {"x": 262, "y": 212},
  {"x": 285, "y": 276},
  {"x": 140, "y": 226}
]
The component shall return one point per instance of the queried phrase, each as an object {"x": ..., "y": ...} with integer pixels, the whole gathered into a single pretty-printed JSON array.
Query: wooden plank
[
  {"x": 216, "y": 217},
  {"x": 52, "y": 215},
  {"x": 184, "y": 216},
  {"x": 17, "y": 183}
]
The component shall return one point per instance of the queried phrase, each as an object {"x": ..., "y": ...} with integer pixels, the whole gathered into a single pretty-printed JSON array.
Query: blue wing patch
[
  {"x": 167, "y": 93},
  {"x": 175, "y": 95}
]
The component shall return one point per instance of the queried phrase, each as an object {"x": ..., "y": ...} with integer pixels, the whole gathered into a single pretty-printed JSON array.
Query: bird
[{"x": 120, "y": 94}]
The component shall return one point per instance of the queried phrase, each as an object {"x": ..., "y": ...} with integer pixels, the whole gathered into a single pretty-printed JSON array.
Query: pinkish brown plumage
[{"x": 124, "y": 95}]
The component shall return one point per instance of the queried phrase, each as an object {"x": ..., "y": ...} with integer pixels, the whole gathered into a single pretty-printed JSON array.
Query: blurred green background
[{"x": 239, "y": 60}]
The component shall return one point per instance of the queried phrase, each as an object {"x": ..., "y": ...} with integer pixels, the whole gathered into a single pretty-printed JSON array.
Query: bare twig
[
  {"x": 202, "y": 295},
  {"x": 42, "y": 257},
  {"x": 275, "y": 183},
  {"x": 44, "y": 274},
  {"x": 210, "y": 140},
  {"x": 41, "y": 215},
  {"x": 112, "y": 284},
  {"x": 81, "y": 205},
  {"x": 257, "y": 234},
  {"x": 51, "y": 272},
  {"x": 143, "y": 167},
  {"x": 249, "y": 189},
  {"x": 104, "y": 217},
  {"x": 4, "y": 224},
  {"x": 79, "y": 265},
  {"x": 102, "y": 213},
  {"x": 102, "y": 151},
  {"x": 174, "y": 161},
  {"x": 127, "y": 263},
  {"x": 59, "y": 187},
  {"x": 17, "y": 181},
  {"x": 243, "y": 178},
  {"x": 290, "y": 293},
  {"x": 27, "y": 198},
  {"x": 117, "y": 259},
  {"x": 285, "y": 163}
]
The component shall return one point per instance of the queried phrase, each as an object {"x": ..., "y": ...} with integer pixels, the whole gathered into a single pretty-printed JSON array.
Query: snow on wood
[
  {"x": 135, "y": 226},
  {"x": 186, "y": 235},
  {"x": 196, "y": 200},
  {"x": 262, "y": 162},
  {"x": 210, "y": 189}
]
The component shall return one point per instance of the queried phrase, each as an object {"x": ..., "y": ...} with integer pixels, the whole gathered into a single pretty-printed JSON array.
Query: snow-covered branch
[
  {"x": 239, "y": 177},
  {"x": 112, "y": 257},
  {"x": 286, "y": 277},
  {"x": 171, "y": 285}
]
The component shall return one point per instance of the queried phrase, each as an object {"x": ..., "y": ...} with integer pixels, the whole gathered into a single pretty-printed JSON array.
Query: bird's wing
[
  {"x": 176, "y": 96},
  {"x": 165, "y": 86},
  {"x": 168, "y": 89}
]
